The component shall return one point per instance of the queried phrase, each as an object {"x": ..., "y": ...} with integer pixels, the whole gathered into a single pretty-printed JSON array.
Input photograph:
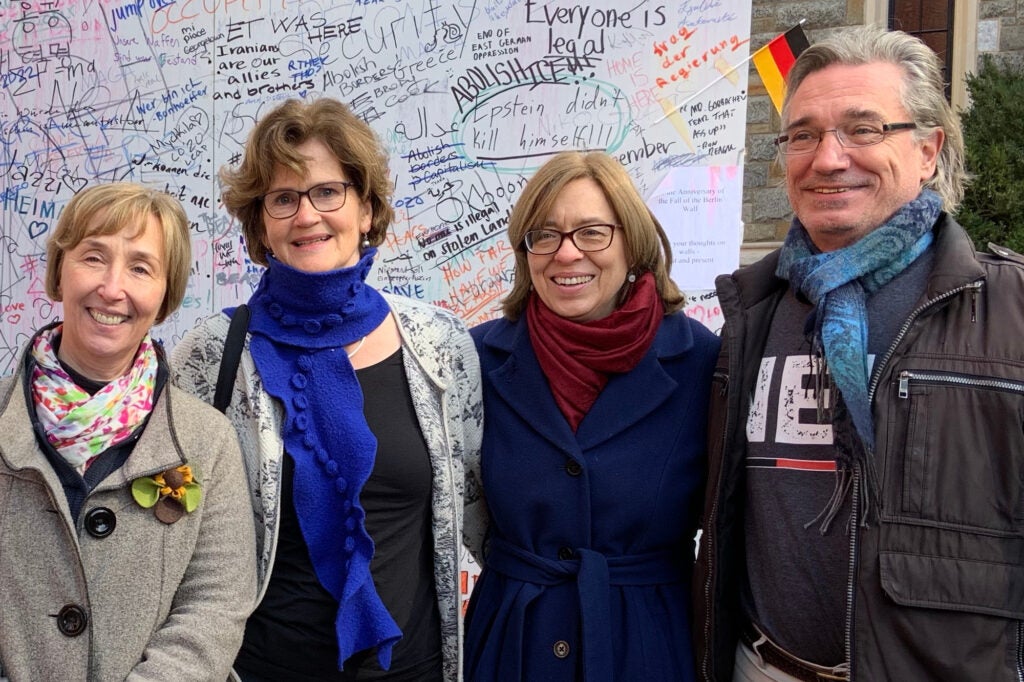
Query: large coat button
[
  {"x": 100, "y": 522},
  {"x": 71, "y": 620},
  {"x": 560, "y": 648},
  {"x": 565, "y": 553},
  {"x": 573, "y": 468}
]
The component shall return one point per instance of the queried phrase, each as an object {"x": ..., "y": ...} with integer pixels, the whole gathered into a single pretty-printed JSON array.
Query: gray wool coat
[{"x": 160, "y": 602}]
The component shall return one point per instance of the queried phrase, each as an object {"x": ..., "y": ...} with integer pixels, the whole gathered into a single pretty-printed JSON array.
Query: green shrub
[{"x": 993, "y": 206}]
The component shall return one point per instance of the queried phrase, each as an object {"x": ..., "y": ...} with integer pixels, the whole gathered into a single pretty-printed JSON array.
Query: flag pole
[{"x": 677, "y": 107}]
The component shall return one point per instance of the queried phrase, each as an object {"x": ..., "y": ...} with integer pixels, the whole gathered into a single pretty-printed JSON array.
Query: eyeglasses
[
  {"x": 325, "y": 197},
  {"x": 851, "y": 135},
  {"x": 543, "y": 242}
]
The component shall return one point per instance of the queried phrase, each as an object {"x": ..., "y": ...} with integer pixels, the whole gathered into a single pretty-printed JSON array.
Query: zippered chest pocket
[{"x": 962, "y": 463}]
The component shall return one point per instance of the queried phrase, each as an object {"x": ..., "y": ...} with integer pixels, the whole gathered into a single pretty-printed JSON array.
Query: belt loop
[{"x": 754, "y": 647}]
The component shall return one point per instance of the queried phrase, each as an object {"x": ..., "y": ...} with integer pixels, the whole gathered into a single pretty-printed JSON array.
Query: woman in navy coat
[{"x": 595, "y": 396}]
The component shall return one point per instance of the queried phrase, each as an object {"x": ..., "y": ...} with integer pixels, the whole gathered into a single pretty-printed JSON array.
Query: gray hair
[{"x": 921, "y": 94}]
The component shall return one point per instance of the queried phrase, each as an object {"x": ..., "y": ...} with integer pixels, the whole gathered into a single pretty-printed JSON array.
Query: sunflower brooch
[{"x": 171, "y": 494}]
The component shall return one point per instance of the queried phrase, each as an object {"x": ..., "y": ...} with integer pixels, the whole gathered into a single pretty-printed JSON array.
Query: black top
[{"x": 291, "y": 635}]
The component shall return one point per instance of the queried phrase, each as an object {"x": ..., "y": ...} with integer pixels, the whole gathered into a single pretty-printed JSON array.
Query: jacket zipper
[
  {"x": 952, "y": 379},
  {"x": 852, "y": 573},
  {"x": 1020, "y": 651},
  {"x": 877, "y": 373},
  {"x": 710, "y": 647},
  {"x": 973, "y": 287}
]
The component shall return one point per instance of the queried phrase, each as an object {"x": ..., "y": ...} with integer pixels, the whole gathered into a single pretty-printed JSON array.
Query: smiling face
[
  {"x": 112, "y": 287},
  {"x": 578, "y": 285},
  {"x": 841, "y": 194},
  {"x": 310, "y": 240}
]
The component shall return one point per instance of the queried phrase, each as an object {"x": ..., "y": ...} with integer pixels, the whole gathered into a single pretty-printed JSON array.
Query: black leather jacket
[{"x": 936, "y": 588}]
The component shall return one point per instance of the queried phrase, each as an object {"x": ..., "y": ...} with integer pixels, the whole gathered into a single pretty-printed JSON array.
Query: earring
[
  {"x": 365, "y": 243},
  {"x": 631, "y": 278}
]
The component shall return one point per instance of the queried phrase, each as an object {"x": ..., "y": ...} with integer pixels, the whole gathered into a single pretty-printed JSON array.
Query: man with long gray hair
[{"x": 864, "y": 514}]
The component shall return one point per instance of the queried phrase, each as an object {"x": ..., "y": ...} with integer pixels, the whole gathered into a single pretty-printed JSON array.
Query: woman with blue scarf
[{"x": 357, "y": 413}]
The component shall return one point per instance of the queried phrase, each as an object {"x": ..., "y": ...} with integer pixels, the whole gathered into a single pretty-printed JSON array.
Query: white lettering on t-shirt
[
  {"x": 798, "y": 418},
  {"x": 758, "y": 415}
]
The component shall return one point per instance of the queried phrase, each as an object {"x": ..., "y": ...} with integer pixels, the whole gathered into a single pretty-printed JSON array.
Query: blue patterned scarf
[
  {"x": 837, "y": 284},
  {"x": 300, "y": 323}
]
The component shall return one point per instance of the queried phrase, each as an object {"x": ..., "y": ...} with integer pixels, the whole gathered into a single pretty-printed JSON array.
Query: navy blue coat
[{"x": 604, "y": 518}]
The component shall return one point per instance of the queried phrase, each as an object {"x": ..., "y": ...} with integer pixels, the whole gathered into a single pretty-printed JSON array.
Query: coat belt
[{"x": 594, "y": 574}]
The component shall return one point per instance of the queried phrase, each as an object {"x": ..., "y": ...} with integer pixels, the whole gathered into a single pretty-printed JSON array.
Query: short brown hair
[
  {"x": 647, "y": 246},
  {"x": 272, "y": 143},
  {"x": 123, "y": 206}
]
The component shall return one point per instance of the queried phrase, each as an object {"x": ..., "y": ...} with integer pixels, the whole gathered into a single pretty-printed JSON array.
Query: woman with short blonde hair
[{"x": 126, "y": 546}]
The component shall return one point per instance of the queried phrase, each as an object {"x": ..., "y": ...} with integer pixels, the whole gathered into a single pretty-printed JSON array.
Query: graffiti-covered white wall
[{"x": 468, "y": 96}]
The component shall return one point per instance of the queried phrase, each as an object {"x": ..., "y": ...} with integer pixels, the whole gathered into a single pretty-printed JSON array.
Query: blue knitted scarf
[
  {"x": 300, "y": 323},
  {"x": 837, "y": 284}
]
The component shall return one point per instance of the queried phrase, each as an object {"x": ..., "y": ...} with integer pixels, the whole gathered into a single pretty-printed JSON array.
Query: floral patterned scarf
[{"x": 81, "y": 426}]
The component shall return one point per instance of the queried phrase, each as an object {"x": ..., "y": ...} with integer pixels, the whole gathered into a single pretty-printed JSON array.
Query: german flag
[{"x": 774, "y": 60}]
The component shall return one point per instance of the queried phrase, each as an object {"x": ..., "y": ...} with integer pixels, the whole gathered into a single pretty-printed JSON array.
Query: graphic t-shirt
[{"x": 798, "y": 571}]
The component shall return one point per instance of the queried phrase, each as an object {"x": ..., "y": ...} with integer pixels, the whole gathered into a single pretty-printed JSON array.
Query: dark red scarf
[{"x": 578, "y": 357}]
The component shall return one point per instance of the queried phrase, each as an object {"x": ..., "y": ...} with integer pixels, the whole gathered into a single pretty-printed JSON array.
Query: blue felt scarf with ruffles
[
  {"x": 837, "y": 284},
  {"x": 300, "y": 325}
]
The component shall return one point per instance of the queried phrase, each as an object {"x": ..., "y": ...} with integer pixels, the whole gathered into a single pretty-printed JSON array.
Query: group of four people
[{"x": 852, "y": 449}]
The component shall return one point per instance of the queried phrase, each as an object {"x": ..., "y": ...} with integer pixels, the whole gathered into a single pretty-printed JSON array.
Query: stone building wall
[
  {"x": 1001, "y": 31},
  {"x": 766, "y": 214}
]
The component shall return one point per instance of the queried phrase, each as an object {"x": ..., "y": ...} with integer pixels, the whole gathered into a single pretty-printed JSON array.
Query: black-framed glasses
[
  {"x": 850, "y": 135},
  {"x": 325, "y": 197},
  {"x": 543, "y": 241}
]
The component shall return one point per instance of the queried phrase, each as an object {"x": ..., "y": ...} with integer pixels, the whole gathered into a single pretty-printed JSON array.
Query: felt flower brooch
[{"x": 171, "y": 493}]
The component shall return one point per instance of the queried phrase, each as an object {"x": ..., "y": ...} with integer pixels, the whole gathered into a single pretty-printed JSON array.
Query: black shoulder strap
[{"x": 232, "y": 355}]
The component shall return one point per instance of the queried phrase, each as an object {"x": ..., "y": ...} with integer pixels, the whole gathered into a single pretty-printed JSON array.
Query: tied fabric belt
[{"x": 594, "y": 574}]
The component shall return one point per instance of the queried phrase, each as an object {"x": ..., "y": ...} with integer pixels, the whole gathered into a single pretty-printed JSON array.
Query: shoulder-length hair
[
  {"x": 647, "y": 246},
  {"x": 921, "y": 93}
]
